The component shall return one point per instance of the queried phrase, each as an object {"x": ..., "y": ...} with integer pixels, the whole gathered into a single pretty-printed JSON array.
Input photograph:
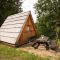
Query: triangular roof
[{"x": 12, "y": 27}]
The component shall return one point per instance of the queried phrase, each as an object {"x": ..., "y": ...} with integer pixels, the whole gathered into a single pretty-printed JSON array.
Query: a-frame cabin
[{"x": 17, "y": 28}]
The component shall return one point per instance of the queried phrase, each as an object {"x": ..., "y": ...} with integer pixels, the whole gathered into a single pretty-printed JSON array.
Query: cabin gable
[{"x": 28, "y": 31}]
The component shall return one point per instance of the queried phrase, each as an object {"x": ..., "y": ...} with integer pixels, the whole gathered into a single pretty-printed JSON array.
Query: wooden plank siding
[{"x": 27, "y": 34}]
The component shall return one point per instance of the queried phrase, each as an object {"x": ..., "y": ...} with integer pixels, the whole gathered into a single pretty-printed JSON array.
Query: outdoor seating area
[
  {"x": 48, "y": 44},
  {"x": 41, "y": 40}
]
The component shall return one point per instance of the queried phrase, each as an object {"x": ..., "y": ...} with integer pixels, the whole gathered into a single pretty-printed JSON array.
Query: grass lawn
[{"x": 9, "y": 53}]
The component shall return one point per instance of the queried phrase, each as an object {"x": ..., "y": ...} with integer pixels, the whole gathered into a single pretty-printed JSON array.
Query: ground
[
  {"x": 41, "y": 51},
  {"x": 26, "y": 52},
  {"x": 10, "y": 53}
]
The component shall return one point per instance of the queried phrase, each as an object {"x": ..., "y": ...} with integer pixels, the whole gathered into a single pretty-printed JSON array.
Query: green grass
[
  {"x": 9, "y": 53},
  {"x": 58, "y": 42}
]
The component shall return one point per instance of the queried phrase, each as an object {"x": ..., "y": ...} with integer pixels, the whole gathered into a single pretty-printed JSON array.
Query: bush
[{"x": 58, "y": 42}]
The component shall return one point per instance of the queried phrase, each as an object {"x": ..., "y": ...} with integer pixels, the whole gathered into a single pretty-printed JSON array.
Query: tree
[
  {"x": 48, "y": 17},
  {"x": 9, "y": 7}
]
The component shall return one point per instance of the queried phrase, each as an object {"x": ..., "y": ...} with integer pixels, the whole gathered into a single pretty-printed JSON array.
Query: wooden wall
[{"x": 27, "y": 33}]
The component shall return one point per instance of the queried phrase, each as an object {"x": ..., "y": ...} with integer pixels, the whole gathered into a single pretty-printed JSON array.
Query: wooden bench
[{"x": 41, "y": 40}]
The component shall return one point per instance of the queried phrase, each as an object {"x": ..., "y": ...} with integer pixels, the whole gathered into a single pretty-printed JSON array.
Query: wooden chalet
[{"x": 17, "y": 28}]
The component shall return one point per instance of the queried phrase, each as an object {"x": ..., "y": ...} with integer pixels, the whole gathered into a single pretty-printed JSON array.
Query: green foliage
[
  {"x": 9, "y": 7},
  {"x": 58, "y": 42},
  {"x": 48, "y": 17}
]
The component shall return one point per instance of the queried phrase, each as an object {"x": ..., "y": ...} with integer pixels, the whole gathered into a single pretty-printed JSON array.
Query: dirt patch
[{"x": 41, "y": 51}]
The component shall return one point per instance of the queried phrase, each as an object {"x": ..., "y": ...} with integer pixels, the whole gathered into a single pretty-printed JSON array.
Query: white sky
[{"x": 28, "y": 6}]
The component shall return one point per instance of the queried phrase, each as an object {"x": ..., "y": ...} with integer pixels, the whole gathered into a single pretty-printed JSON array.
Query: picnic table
[{"x": 41, "y": 40}]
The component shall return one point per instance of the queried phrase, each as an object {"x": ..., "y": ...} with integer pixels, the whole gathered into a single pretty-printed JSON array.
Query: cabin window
[{"x": 27, "y": 29}]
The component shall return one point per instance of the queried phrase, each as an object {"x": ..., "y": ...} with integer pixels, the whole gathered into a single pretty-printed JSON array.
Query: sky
[{"x": 28, "y": 6}]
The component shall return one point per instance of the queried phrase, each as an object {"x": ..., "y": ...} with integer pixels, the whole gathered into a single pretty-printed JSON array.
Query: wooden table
[{"x": 41, "y": 40}]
